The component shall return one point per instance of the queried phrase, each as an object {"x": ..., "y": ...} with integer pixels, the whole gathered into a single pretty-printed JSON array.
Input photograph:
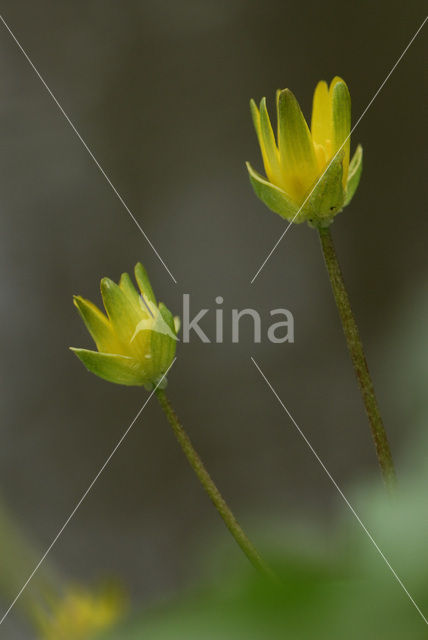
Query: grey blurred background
[{"x": 160, "y": 90}]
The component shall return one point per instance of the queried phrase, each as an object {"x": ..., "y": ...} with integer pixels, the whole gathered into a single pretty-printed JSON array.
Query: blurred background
[{"x": 159, "y": 90}]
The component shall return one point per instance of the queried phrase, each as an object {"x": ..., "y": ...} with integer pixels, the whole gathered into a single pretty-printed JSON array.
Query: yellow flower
[
  {"x": 297, "y": 159},
  {"x": 136, "y": 339},
  {"x": 81, "y": 614}
]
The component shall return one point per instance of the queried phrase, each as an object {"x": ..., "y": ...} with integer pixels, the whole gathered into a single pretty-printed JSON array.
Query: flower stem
[
  {"x": 358, "y": 358},
  {"x": 210, "y": 487}
]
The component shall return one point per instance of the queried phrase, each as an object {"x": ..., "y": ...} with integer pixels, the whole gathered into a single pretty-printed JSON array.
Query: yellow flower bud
[
  {"x": 136, "y": 339},
  {"x": 81, "y": 614},
  {"x": 307, "y": 169}
]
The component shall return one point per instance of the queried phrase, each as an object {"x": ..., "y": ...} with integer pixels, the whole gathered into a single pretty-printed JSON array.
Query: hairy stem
[
  {"x": 356, "y": 351},
  {"x": 210, "y": 487}
]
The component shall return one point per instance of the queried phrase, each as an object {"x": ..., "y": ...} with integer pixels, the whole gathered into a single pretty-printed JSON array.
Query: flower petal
[
  {"x": 129, "y": 290},
  {"x": 341, "y": 110},
  {"x": 98, "y": 325},
  {"x": 271, "y": 150},
  {"x": 121, "y": 312},
  {"x": 297, "y": 155},
  {"x": 322, "y": 119},
  {"x": 354, "y": 175},
  {"x": 255, "y": 113},
  {"x": 113, "y": 367},
  {"x": 271, "y": 195}
]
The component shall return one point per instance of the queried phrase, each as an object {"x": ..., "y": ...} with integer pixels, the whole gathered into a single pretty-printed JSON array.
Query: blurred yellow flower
[
  {"x": 136, "y": 339},
  {"x": 81, "y": 614},
  {"x": 296, "y": 159}
]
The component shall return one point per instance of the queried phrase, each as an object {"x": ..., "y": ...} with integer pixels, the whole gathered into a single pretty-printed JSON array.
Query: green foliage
[{"x": 352, "y": 596}]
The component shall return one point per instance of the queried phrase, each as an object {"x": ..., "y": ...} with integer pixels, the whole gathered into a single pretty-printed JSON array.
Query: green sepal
[
  {"x": 168, "y": 318},
  {"x": 163, "y": 339},
  {"x": 144, "y": 283},
  {"x": 354, "y": 175},
  {"x": 177, "y": 325},
  {"x": 272, "y": 196},
  {"x": 327, "y": 198},
  {"x": 112, "y": 367}
]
